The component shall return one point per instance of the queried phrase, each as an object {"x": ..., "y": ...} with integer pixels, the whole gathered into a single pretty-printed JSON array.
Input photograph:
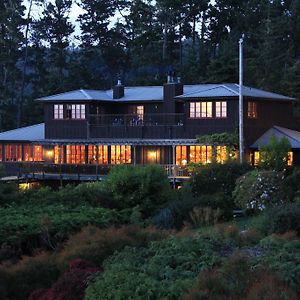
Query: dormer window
[
  {"x": 58, "y": 111},
  {"x": 252, "y": 110}
]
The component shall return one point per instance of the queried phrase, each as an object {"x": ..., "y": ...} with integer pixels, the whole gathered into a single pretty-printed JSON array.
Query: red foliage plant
[{"x": 70, "y": 286}]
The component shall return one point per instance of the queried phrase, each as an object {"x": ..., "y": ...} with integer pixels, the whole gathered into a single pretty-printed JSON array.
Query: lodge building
[{"x": 87, "y": 131}]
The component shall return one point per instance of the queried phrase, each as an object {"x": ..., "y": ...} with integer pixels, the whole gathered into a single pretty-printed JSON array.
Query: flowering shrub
[{"x": 257, "y": 190}]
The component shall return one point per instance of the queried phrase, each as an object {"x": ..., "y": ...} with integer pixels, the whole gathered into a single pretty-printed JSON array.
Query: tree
[
  {"x": 11, "y": 38},
  {"x": 55, "y": 29},
  {"x": 274, "y": 155}
]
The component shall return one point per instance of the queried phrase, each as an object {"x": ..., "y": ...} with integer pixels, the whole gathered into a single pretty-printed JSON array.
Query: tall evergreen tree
[
  {"x": 11, "y": 38},
  {"x": 54, "y": 29}
]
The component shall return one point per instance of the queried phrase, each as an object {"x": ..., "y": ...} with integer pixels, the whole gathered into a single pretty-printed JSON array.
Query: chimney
[
  {"x": 118, "y": 90},
  {"x": 172, "y": 88}
]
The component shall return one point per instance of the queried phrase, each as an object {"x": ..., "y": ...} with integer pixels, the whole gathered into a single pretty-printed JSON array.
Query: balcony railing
[
  {"x": 41, "y": 170},
  {"x": 137, "y": 120}
]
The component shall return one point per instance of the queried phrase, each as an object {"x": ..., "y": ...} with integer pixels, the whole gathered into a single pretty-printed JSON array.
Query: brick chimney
[
  {"x": 118, "y": 90},
  {"x": 172, "y": 88}
]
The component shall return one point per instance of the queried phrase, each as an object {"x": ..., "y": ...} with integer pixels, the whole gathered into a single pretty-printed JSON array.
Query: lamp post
[{"x": 241, "y": 108}]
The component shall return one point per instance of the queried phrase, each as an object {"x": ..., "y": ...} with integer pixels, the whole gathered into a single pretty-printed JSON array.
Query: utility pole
[{"x": 241, "y": 104}]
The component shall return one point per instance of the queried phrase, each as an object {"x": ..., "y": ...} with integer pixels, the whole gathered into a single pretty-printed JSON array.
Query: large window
[
  {"x": 221, "y": 109},
  {"x": 58, "y": 111},
  {"x": 58, "y": 154},
  {"x": 201, "y": 154},
  {"x": 200, "y": 109},
  {"x": 290, "y": 158},
  {"x": 75, "y": 154},
  {"x": 181, "y": 155},
  {"x": 120, "y": 154},
  {"x": 252, "y": 110},
  {"x": 13, "y": 152},
  {"x": 37, "y": 153},
  {"x": 78, "y": 111},
  {"x": 100, "y": 156},
  {"x": 221, "y": 154},
  {"x": 28, "y": 152}
]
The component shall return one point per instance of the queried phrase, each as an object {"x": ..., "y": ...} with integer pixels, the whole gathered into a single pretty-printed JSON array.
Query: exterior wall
[
  {"x": 270, "y": 113},
  {"x": 60, "y": 129}
]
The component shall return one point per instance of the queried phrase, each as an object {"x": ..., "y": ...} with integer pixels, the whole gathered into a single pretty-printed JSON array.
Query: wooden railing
[
  {"x": 42, "y": 169},
  {"x": 157, "y": 119}
]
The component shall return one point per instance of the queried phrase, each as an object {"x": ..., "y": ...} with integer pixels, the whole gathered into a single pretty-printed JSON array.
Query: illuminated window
[
  {"x": 252, "y": 110},
  {"x": 221, "y": 154},
  {"x": 37, "y": 153},
  {"x": 13, "y": 152},
  {"x": 120, "y": 154},
  {"x": 28, "y": 152},
  {"x": 58, "y": 111},
  {"x": 201, "y": 154},
  {"x": 221, "y": 109},
  {"x": 201, "y": 110},
  {"x": 140, "y": 111},
  {"x": 75, "y": 154},
  {"x": 78, "y": 111},
  {"x": 101, "y": 158},
  {"x": 290, "y": 158},
  {"x": 181, "y": 155},
  {"x": 256, "y": 158},
  {"x": 58, "y": 154}
]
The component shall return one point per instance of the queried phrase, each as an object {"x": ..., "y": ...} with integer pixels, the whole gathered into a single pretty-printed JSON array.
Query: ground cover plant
[{"x": 91, "y": 242}]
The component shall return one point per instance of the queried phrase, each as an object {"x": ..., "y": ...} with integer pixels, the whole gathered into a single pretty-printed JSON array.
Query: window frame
[
  {"x": 221, "y": 109},
  {"x": 199, "y": 109},
  {"x": 252, "y": 112},
  {"x": 58, "y": 111}
]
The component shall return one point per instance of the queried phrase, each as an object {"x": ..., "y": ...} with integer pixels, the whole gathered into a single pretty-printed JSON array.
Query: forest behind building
[{"x": 42, "y": 52}]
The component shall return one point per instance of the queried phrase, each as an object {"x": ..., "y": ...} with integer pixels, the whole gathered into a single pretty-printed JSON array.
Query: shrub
[
  {"x": 94, "y": 245},
  {"x": 146, "y": 186},
  {"x": 204, "y": 216},
  {"x": 214, "y": 178},
  {"x": 285, "y": 218},
  {"x": 237, "y": 280},
  {"x": 29, "y": 274},
  {"x": 163, "y": 270},
  {"x": 274, "y": 155},
  {"x": 71, "y": 285},
  {"x": 257, "y": 190},
  {"x": 283, "y": 258},
  {"x": 291, "y": 186}
]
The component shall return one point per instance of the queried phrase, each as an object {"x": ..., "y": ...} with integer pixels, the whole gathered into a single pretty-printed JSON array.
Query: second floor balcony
[{"x": 138, "y": 126}]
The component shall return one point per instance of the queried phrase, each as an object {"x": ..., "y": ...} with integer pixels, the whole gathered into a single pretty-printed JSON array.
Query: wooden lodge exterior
[{"x": 88, "y": 131}]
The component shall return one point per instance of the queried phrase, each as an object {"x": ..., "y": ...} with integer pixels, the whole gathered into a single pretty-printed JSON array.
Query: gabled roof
[
  {"x": 279, "y": 132},
  {"x": 155, "y": 93},
  {"x": 230, "y": 90},
  {"x": 29, "y": 133}
]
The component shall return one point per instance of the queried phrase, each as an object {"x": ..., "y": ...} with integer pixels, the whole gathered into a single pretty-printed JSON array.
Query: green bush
[
  {"x": 93, "y": 244},
  {"x": 217, "y": 178},
  {"x": 146, "y": 186},
  {"x": 291, "y": 186},
  {"x": 162, "y": 271},
  {"x": 29, "y": 274},
  {"x": 40, "y": 224},
  {"x": 257, "y": 190},
  {"x": 274, "y": 155},
  {"x": 236, "y": 279},
  {"x": 283, "y": 258},
  {"x": 285, "y": 218}
]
